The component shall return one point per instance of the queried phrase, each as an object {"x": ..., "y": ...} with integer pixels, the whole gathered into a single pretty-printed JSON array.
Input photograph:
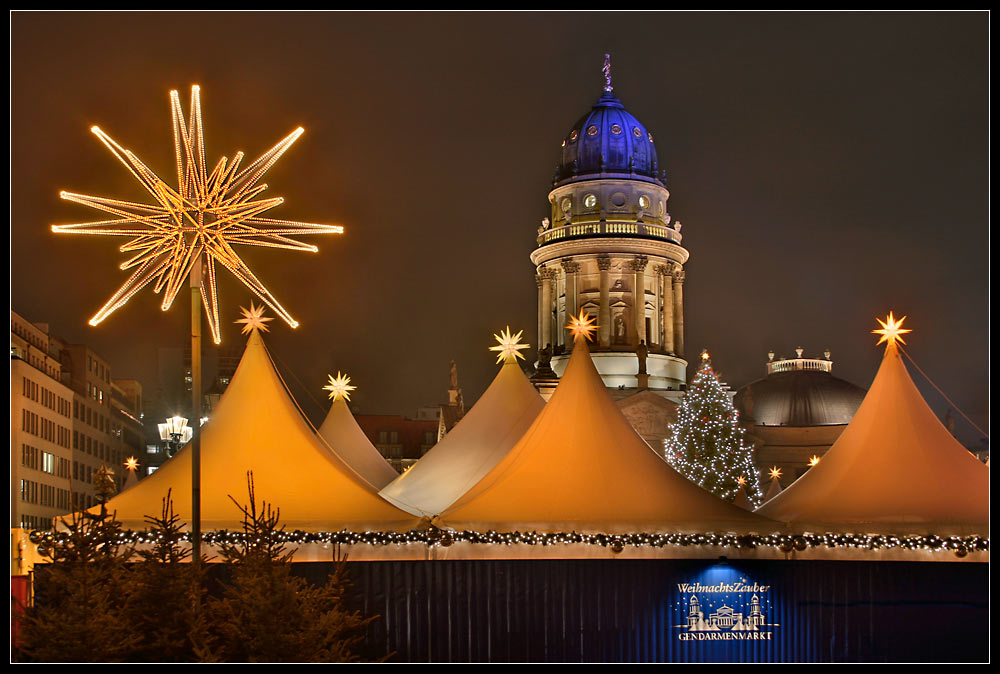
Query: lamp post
[{"x": 176, "y": 433}]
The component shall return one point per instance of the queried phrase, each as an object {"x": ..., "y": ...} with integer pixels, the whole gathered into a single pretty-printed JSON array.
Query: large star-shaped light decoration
[
  {"x": 813, "y": 460},
  {"x": 891, "y": 330},
  {"x": 509, "y": 346},
  {"x": 775, "y": 473},
  {"x": 195, "y": 226},
  {"x": 253, "y": 319},
  {"x": 339, "y": 387},
  {"x": 582, "y": 325},
  {"x": 131, "y": 463}
]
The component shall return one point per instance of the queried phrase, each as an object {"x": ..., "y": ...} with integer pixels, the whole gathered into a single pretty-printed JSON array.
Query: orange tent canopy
[
  {"x": 581, "y": 466},
  {"x": 257, "y": 427},
  {"x": 895, "y": 465},
  {"x": 472, "y": 448}
]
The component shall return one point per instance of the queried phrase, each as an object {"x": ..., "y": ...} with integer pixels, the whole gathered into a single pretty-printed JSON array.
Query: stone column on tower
[
  {"x": 664, "y": 272},
  {"x": 545, "y": 307},
  {"x": 604, "y": 312},
  {"x": 540, "y": 282},
  {"x": 639, "y": 298},
  {"x": 570, "y": 269},
  {"x": 679, "y": 313}
]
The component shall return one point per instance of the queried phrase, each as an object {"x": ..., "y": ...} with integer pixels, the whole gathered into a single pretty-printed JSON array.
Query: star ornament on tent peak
[
  {"x": 339, "y": 387},
  {"x": 509, "y": 346},
  {"x": 892, "y": 330},
  {"x": 131, "y": 463},
  {"x": 775, "y": 473},
  {"x": 253, "y": 319},
  {"x": 582, "y": 325},
  {"x": 186, "y": 230}
]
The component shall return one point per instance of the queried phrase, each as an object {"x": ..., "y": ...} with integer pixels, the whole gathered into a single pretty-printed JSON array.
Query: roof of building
[
  {"x": 581, "y": 467},
  {"x": 894, "y": 465},
  {"x": 799, "y": 398},
  {"x": 472, "y": 448},
  {"x": 608, "y": 142},
  {"x": 258, "y": 427}
]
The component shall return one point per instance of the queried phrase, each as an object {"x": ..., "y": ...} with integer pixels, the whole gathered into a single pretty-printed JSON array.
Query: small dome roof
[
  {"x": 608, "y": 142},
  {"x": 799, "y": 398}
]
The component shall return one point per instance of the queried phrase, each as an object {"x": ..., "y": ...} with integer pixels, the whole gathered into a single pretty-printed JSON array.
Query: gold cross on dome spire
[
  {"x": 254, "y": 319},
  {"x": 582, "y": 325},
  {"x": 509, "y": 346},
  {"x": 339, "y": 387},
  {"x": 891, "y": 330}
]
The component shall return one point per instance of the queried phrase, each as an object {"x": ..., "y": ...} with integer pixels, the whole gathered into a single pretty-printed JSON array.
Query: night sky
[{"x": 827, "y": 167}]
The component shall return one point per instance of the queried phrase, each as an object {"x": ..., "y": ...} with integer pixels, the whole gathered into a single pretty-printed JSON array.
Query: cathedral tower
[{"x": 611, "y": 248}]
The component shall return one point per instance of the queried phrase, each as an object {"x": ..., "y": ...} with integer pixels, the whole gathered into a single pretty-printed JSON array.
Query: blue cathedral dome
[{"x": 608, "y": 142}]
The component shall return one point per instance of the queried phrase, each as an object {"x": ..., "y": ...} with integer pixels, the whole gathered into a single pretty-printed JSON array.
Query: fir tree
[
  {"x": 706, "y": 445},
  {"x": 78, "y": 614},
  {"x": 268, "y": 615},
  {"x": 166, "y": 597}
]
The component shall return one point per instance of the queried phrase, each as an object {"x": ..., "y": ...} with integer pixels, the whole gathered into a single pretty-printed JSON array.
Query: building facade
[
  {"x": 68, "y": 417},
  {"x": 611, "y": 249},
  {"x": 795, "y": 413}
]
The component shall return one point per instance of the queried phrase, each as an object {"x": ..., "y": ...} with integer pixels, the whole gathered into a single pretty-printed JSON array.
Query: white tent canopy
[
  {"x": 581, "y": 466},
  {"x": 341, "y": 432},
  {"x": 257, "y": 427},
  {"x": 472, "y": 448},
  {"x": 894, "y": 465}
]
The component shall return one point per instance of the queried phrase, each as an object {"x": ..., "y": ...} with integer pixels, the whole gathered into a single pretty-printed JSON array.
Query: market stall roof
[
  {"x": 342, "y": 433},
  {"x": 472, "y": 448},
  {"x": 581, "y": 467},
  {"x": 894, "y": 464},
  {"x": 258, "y": 427}
]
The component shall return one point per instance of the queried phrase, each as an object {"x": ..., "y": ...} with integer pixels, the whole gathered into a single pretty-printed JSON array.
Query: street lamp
[{"x": 176, "y": 433}]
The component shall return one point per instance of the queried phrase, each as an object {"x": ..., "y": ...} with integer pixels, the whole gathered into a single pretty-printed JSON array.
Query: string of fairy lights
[{"x": 432, "y": 536}]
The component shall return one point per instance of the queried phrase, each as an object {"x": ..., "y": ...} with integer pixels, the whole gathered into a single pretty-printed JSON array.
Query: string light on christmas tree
[
  {"x": 198, "y": 223},
  {"x": 509, "y": 346},
  {"x": 339, "y": 387},
  {"x": 891, "y": 330},
  {"x": 706, "y": 443},
  {"x": 253, "y": 319},
  {"x": 582, "y": 325}
]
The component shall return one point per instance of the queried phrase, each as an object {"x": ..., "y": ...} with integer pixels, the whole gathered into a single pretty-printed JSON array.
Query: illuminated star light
[
  {"x": 339, "y": 387},
  {"x": 775, "y": 473},
  {"x": 891, "y": 330},
  {"x": 582, "y": 325},
  {"x": 131, "y": 463},
  {"x": 509, "y": 346},
  {"x": 813, "y": 460},
  {"x": 741, "y": 481},
  {"x": 254, "y": 319},
  {"x": 198, "y": 223}
]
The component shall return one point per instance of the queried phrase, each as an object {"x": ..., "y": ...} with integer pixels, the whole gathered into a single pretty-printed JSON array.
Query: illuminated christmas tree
[{"x": 706, "y": 444}]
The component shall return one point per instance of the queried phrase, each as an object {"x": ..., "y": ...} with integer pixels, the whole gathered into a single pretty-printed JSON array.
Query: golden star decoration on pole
[
  {"x": 582, "y": 325},
  {"x": 253, "y": 319},
  {"x": 509, "y": 346},
  {"x": 199, "y": 222},
  {"x": 891, "y": 330},
  {"x": 339, "y": 387}
]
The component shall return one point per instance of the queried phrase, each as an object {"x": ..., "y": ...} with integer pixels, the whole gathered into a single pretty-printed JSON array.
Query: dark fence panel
[{"x": 671, "y": 610}]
